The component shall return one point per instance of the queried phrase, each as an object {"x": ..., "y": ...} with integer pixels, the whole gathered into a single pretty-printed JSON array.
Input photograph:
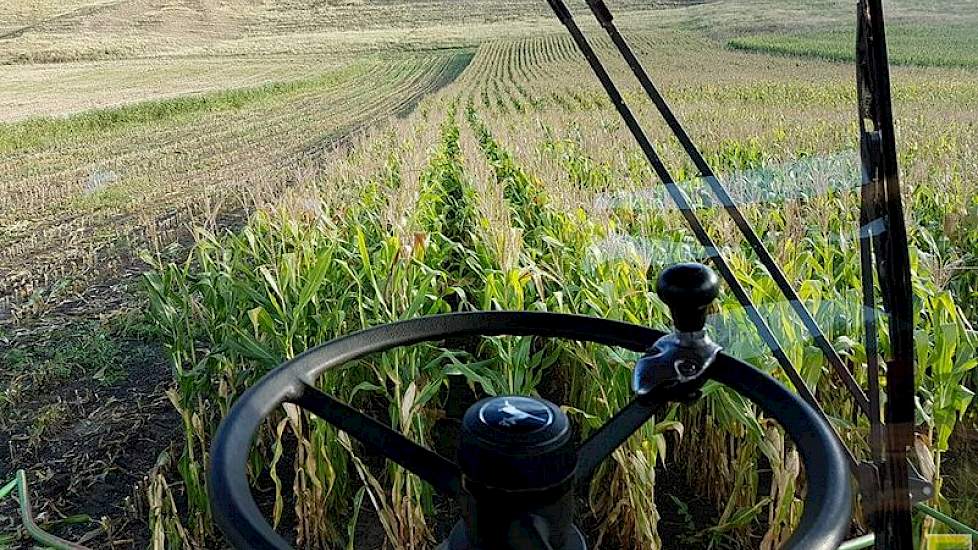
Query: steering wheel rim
[{"x": 828, "y": 500}]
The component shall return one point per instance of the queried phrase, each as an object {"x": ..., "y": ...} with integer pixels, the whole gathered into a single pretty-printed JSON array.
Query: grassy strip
[
  {"x": 36, "y": 132},
  {"x": 933, "y": 46}
]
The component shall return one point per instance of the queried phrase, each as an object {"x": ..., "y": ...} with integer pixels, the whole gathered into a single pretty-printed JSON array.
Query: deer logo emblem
[{"x": 515, "y": 415}]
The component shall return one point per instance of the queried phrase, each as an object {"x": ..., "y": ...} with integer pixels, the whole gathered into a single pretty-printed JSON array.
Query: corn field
[{"x": 516, "y": 187}]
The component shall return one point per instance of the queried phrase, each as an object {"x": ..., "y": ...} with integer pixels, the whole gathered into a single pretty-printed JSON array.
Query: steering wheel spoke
[
  {"x": 616, "y": 431},
  {"x": 440, "y": 472}
]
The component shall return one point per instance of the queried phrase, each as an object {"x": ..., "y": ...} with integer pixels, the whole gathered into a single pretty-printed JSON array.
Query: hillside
[{"x": 119, "y": 29}]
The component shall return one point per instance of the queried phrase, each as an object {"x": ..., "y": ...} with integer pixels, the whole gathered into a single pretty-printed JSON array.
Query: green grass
[
  {"x": 115, "y": 196},
  {"x": 94, "y": 354},
  {"x": 116, "y": 193},
  {"x": 922, "y": 45}
]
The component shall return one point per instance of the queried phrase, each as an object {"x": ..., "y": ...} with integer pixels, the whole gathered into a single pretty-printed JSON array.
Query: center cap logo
[{"x": 516, "y": 414}]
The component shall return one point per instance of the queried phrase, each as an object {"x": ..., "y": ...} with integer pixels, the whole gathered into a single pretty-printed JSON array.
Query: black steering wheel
[{"x": 517, "y": 467}]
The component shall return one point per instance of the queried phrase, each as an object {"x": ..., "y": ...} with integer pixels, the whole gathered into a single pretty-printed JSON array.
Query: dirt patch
[
  {"x": 83, "y": 409},
  {"x": 85, "y": 432}
]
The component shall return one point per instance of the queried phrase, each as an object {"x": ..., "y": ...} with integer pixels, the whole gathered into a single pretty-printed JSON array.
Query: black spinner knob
[{"x": 688, "y": 289}]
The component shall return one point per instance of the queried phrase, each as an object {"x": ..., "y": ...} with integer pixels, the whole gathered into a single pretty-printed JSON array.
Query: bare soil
[{"x": 97, "y": 441}]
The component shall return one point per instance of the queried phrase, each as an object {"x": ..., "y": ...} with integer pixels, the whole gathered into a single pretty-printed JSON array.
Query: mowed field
[{"x": 216, "y": 187}]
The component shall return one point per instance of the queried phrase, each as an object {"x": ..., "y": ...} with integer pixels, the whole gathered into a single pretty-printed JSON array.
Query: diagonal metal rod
[
  {"x": 604, "y": 17},
  {"x": 682, "y": 203},
  {"x": 614, "y": 433}
]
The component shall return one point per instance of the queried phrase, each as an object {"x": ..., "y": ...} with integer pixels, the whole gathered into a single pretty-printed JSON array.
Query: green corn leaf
[
  {"x": 743, "y": 517},
  {"x": 429, "y": 391},
  {"x": 365, "y": 387},
  {"x": 249, "y": 347},
  {"x": 313, "y": 283}
]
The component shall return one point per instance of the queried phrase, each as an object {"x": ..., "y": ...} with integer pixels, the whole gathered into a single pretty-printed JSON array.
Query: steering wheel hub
[
  {"x": 515, "y": 443},
  {"x": 518, "y": 465}
]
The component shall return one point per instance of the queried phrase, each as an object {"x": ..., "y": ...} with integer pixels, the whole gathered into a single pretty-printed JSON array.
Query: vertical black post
[{"x": 893, "y": 525}]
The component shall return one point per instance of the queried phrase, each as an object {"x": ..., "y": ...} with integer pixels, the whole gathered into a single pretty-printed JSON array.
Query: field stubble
[{"x": 76, "y": 199}]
